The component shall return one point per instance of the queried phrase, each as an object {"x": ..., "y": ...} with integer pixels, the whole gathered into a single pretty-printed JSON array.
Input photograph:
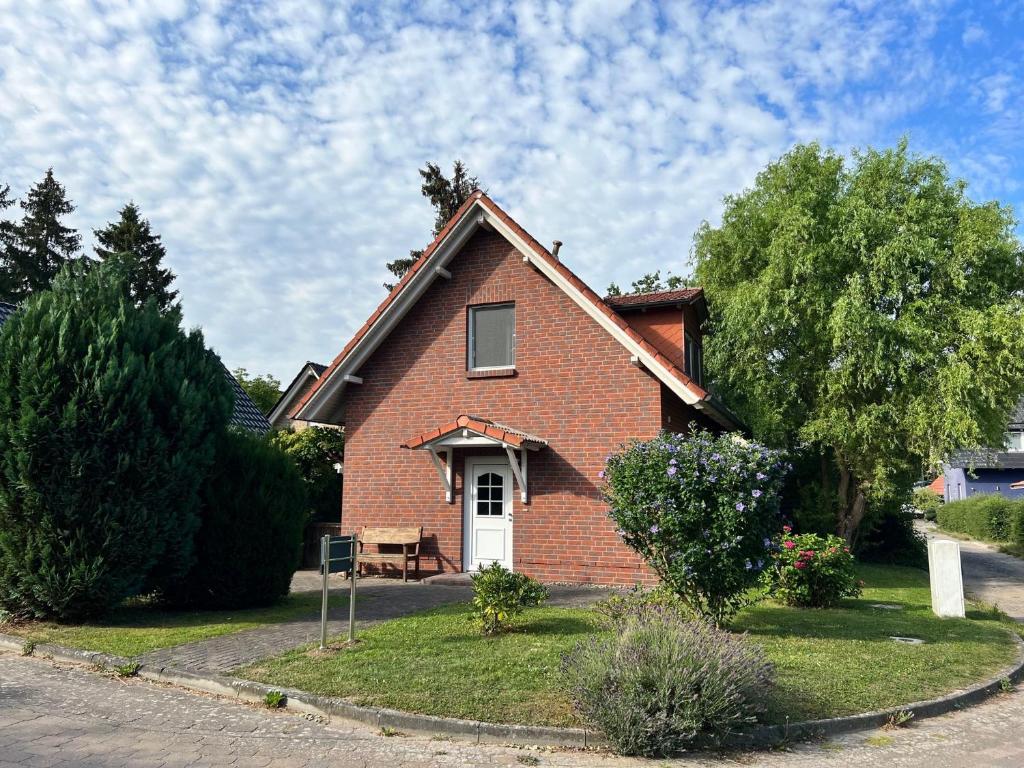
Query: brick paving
[
  {"x": 62, "y": 716},
  {"x": 382, "y": 599}
]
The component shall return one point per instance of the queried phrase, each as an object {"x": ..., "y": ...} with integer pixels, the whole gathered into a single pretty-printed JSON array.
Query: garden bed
[
  {"x": 829, "y": 662},
  {"x": 139, "y": 627}
]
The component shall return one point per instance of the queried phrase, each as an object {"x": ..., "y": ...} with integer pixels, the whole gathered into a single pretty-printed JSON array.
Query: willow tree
[{"x": 866, "y": 308}]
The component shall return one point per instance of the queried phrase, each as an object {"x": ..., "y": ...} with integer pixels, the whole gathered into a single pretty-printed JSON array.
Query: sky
[{"x": 275, "y": 146}]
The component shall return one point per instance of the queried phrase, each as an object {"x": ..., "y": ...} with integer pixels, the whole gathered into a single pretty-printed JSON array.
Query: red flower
[
  {"x": 800, "y": 564},
  {"x": 787, "y": 529},
  {"x": 789, "y": 544}
]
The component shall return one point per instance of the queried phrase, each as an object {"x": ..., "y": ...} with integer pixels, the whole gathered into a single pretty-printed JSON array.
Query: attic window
[
  {"x": 492, "y": 337},
  {"x": 694, "y": 360}
]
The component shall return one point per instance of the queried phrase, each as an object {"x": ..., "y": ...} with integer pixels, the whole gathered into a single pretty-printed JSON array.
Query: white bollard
[{"x": 946, "y": 579}]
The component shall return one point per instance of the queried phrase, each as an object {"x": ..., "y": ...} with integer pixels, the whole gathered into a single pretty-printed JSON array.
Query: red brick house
[{"x": 482, "y": 396}]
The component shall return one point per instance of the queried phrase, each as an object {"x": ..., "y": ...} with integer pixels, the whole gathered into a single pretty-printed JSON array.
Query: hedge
[{"x": 989, "y": 517}]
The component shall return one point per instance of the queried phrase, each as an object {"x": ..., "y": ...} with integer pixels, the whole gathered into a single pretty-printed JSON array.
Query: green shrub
[
  {"x": 252, "y": 516},
  {"x": 315, "y": 450},
  {"x": 927, "y": 502},
  {"x": 499, "y": 595},
  {"x": 107, "y": 418},
  {"x": 615, "y": 609},
  {"x": 662, "y": 684},
  {"x": 812, "y": 571},
  {"x": 892, "y": 538},
  {"x": 701, "y": 510},
  {"x": 989, "y": 517}
]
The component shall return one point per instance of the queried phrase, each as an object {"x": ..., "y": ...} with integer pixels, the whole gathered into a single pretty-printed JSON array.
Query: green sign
[{"x": 339, "y": 554}]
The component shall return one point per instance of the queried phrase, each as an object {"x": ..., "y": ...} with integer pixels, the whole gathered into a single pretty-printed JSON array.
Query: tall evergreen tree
[
  {"x": 447, "y": 196},
  {"x": 39, "y": 245},
  {"x": 131, "y": 242},
  {"x": 6, "y": 243},
  {"x": 108, "y": 422}
]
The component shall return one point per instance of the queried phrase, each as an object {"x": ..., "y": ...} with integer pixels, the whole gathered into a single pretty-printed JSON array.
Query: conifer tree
[
  {"x": 39, "y": 245},
  {"x": 6, "y": 243},
  {"x": 447, "y": 196},
  {"x": 108, "y": 421},
  {"x": 131, "y": 242}
]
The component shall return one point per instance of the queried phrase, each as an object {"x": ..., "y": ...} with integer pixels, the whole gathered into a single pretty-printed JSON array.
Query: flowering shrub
[
  {"x": 812, "y": 571},
  {"x": 661, "y": 683},
  {"x": 701, "y": 510}
]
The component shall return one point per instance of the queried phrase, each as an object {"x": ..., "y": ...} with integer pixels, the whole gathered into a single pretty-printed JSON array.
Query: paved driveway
[{"x": 382, "y": 599}]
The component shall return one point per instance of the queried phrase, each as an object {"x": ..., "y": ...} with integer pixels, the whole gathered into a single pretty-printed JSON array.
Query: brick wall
[{"x": 573, "y": 386}]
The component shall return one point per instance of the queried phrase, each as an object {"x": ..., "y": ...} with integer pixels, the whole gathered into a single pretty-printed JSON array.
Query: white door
[{"x": 487, "y": 527}]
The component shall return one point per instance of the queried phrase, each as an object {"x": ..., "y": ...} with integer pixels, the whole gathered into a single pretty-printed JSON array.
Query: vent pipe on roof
[{"x": 556, "y": 247}]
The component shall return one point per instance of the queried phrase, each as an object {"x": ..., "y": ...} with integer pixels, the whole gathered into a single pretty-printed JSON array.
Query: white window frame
[
  {"x": 1014, "y": 441},
  {"x": 471, "y": 340}
]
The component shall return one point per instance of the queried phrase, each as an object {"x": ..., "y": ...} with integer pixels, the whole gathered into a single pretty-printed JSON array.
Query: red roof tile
[
  {"x": 481, "y": 426},
  {"x": 683, "y": 296}
]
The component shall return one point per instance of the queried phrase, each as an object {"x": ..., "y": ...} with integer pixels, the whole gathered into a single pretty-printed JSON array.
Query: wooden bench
[{"x": 407, "y": 538}]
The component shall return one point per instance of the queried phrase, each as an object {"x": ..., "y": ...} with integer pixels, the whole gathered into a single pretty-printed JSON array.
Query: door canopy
[{"x": 476, "y": 432}]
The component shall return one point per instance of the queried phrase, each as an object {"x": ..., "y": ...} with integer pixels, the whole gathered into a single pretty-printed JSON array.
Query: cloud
[{"x": 275, "y": 146}]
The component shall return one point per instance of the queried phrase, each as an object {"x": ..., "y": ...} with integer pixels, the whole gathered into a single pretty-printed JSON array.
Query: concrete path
[
  {"x": 378, "y": 599},
  {"x": 52, "y": 715},
  {"x": 989, "y": 575}
]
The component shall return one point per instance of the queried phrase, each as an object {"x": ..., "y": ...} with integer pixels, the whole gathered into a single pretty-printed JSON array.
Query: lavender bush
[
  {"x": 702, "y": 510},
  {"x": 661, "y": 684}
]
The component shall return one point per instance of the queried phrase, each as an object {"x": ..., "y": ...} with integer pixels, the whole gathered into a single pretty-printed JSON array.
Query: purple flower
[
  {"x": 747, "y": 565},
  {"x": 673, "y": 462},
  {"x": 601, "y": 474},
  {"x": 716, "y": 457},
  {"x": 767, "y": 542},
  {"x": 756, "y": 493},
  {"x": 671, "y": 471},
  {"x": 761, "y": 475},
  {"x": 740, "y": 506},
  {"x": 655, "y": 529}
]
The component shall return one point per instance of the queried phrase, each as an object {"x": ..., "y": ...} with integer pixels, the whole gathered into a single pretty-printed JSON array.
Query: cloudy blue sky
[{"x": 275, "y": 146}]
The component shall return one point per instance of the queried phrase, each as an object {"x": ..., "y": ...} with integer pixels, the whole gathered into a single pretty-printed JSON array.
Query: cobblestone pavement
[
  {"x": 55, "y": 715},
  {"x": 382, "y": 599},
  {"x": 989, "y": 576}
]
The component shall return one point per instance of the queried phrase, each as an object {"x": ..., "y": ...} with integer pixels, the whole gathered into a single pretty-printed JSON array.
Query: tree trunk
[{"x": 852, "y": 504}]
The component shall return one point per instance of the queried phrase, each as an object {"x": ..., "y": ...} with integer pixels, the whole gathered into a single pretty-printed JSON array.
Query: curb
[{"x": 521, "y": 735}]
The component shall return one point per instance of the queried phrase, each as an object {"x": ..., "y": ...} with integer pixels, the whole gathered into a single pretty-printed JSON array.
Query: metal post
[
  {"x": 352, "y": 593},
  {"x": 325, "y": 549}
]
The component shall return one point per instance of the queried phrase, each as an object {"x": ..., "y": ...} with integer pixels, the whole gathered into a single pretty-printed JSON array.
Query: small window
[
  {"x": 492, "y": 337},
  {"x": 694, "y": 360},
  {"x": 490, "y": 493},
  {"x": 1015, "y": 442}
]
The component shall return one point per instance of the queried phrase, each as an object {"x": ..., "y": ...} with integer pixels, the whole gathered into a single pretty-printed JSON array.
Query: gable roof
[
  {"x": 245, "y": 415},
  {"x": 478, "y": 425},
  {"x": 480, "y": 211},
  {"x": 656, "y": 299},
  {"x": 295, "y": 389}
]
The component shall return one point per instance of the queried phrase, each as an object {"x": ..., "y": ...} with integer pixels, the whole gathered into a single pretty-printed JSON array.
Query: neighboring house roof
[
  {"x": 938, "y": 485},
  {"x": 987, "y": 458},
  {"x": 477, "y": 211},
  {"x": 300, "y": 385},
  {"x": 480, "y": 426},
  {"x": 657, "y": 299},
  {"x": 246, "y": 414}
]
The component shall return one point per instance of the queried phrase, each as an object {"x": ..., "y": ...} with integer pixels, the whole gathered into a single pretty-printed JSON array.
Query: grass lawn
[
  {"x": 829, "y": 662},
  {"x": 138, "y": 627}
]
